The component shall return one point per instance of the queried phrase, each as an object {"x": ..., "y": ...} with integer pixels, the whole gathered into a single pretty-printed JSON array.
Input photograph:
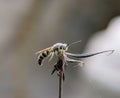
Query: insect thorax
[{"x": 59, "y": 48}]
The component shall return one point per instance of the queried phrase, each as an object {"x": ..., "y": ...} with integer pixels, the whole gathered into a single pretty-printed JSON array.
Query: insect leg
[
  {"x": 51, "y": 56},
  {"x": 72, "y": 60}
]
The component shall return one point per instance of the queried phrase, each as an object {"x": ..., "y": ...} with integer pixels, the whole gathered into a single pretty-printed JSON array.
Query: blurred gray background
[{"x": 27, "y": 26}]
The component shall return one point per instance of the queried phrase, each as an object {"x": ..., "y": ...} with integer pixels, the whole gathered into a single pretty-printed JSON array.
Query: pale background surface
[{"x": 27, "y": 26}]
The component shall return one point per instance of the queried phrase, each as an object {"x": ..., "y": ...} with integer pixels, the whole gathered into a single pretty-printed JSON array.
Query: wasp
[
  {"x": 61, "y": 49},
  {"x": 56, "y": 49}
]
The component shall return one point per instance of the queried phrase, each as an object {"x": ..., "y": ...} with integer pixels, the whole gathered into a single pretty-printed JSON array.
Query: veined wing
[{"x": 44, "y": 50}]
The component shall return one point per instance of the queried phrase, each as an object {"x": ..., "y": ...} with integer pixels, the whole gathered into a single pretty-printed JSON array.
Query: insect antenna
[{"x": 73, "y": 43}]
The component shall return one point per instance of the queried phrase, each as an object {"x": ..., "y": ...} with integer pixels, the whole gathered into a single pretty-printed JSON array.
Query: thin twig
[
  {"x": 60, "y": 85},
  {"x": 59, "y": 67}
]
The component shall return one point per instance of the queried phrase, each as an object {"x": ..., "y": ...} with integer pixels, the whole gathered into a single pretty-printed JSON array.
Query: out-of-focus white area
[{"x": 103, "y": 71}]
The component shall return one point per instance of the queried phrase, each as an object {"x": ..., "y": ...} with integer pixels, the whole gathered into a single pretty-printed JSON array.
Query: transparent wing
[
  {"x": 84, "y": 55},
  {"x": 46, "y": 49}
]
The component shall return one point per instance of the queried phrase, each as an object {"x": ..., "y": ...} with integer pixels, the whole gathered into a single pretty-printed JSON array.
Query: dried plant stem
[
  {"x": 59, "y": 67},
  {"x": 60, "y": 85}
]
